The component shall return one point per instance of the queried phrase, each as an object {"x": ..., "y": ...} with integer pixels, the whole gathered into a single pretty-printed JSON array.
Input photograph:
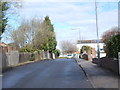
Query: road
[{"x": 60, "y": 73}]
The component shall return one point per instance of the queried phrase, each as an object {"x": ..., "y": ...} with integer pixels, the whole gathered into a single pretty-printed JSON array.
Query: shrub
[
  {"x": 113, "y": 46},
  {"x": 86, "y": 49},
  {"x": 32, "y": 57},
  {"x": 26, "y": 49},
  {"x": 106, "y": 37},
  {"x": 57, "y": 52}
]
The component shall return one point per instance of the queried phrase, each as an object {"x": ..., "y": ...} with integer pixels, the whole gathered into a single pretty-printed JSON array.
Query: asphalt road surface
[{"x": 60, "y": 73}]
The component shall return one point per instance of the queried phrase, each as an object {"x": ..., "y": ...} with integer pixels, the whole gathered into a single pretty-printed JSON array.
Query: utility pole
[
  {"x": 79, "y": 36},
  {"x": 98, "y": 52}
]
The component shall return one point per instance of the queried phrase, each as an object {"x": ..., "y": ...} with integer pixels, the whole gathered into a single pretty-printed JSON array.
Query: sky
[{"x": 74, "y": 19}]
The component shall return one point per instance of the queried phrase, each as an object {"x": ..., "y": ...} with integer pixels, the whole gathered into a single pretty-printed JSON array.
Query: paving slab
[{"x": 99, "y": 77}]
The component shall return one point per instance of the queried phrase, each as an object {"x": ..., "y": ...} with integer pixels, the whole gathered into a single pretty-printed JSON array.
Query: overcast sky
[{"x": 74, "y": 16}]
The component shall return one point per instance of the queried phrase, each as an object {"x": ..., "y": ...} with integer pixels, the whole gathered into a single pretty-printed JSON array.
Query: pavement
[
  {"x": 98, "y": 76},
  {"x": 60, "y": 73}
]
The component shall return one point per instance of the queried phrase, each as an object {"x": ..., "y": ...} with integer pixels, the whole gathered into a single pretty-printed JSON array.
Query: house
[
  {"x": 3, "y": 47},
  {"x": 8, "y": 47},
  {"x": 93, "y": 44},
  {"x": 12, "y": 47},
  {"x": 3, "y": 44}
]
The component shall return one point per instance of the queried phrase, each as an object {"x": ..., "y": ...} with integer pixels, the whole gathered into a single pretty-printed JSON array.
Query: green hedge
[
  {"x": 113, "y": 46},
  {"x": 56, "y": 52}
]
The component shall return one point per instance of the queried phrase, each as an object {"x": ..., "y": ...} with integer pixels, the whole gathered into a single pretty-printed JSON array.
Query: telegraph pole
[
  {"x": 79, "y": 36},
  {"x": 98, "y": 52},
  {"x": 79, "y": 33}
]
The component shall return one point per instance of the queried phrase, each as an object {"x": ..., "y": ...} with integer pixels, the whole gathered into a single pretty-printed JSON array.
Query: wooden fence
[{"x": 11, "y": 58}]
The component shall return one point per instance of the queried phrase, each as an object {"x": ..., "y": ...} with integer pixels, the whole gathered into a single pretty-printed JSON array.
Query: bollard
[{"x": 53, "y": 55}]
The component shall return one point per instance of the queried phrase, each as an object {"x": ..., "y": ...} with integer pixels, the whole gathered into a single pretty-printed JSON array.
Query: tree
[
  {"x": 52, "y": 43},
  {"x": 57, "y": 52},
  {"x": 27, "y": 32},
  {"x": 48, "y": 23},
  {"x": 106, "y": 37},
  {"x": 113, "y": 46},
  {"x": 33, "y": 34},
  {"x": 18, "y": 37},
  {"x": 68, "y": 47},
  {"x": 7, "y": 8},
  {"x": 43, "y": 36},
  {"x": 109, "y": 33},
  {"x": 3, "y": 19}
]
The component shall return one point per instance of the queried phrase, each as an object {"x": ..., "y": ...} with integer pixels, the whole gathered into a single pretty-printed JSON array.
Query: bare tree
[
  {"x": 109, "y": 33},
  {"x": 68, "y": 47},
  {"x": 32, "y": 32},
  {"x": 18, "y": 37}
]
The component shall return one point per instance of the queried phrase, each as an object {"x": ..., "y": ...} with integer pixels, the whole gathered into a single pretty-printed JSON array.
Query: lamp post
[
  {"x": 78, "y": 32},
  {"x": 78, "y": 36},
  {"x": 98, "y": 52}
]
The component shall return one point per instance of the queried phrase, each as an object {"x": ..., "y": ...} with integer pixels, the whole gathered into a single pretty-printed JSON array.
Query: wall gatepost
[{"x": 119, "y": 61}]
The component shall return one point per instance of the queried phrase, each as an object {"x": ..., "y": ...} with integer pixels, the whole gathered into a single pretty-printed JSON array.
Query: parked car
[{"x": 69, "y": 56}]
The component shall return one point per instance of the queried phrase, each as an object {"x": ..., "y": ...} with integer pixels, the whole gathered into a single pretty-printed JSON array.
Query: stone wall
[{"x": 108, "y": 63}]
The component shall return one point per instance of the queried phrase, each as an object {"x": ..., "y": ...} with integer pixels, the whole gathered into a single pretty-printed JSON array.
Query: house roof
[
  {"x": 3, "y": 44},
  {"x": 89, "y": 41}
]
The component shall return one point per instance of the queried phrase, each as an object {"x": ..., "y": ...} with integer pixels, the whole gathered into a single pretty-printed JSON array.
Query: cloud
[
  {"x": 59, "y": 12},
  {"x": 70, "y": 0},
  {"x": 68, "y": 15}
]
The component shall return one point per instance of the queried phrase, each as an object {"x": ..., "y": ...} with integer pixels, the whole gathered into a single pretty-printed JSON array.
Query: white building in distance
[{"x": 93, "y": 44}]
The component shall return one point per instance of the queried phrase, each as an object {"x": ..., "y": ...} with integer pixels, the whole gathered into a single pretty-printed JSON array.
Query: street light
[
  {"x": 78, "y": 36},
  {"x": 98, "y": 52},
  {"x": 78, "y": 32}
]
